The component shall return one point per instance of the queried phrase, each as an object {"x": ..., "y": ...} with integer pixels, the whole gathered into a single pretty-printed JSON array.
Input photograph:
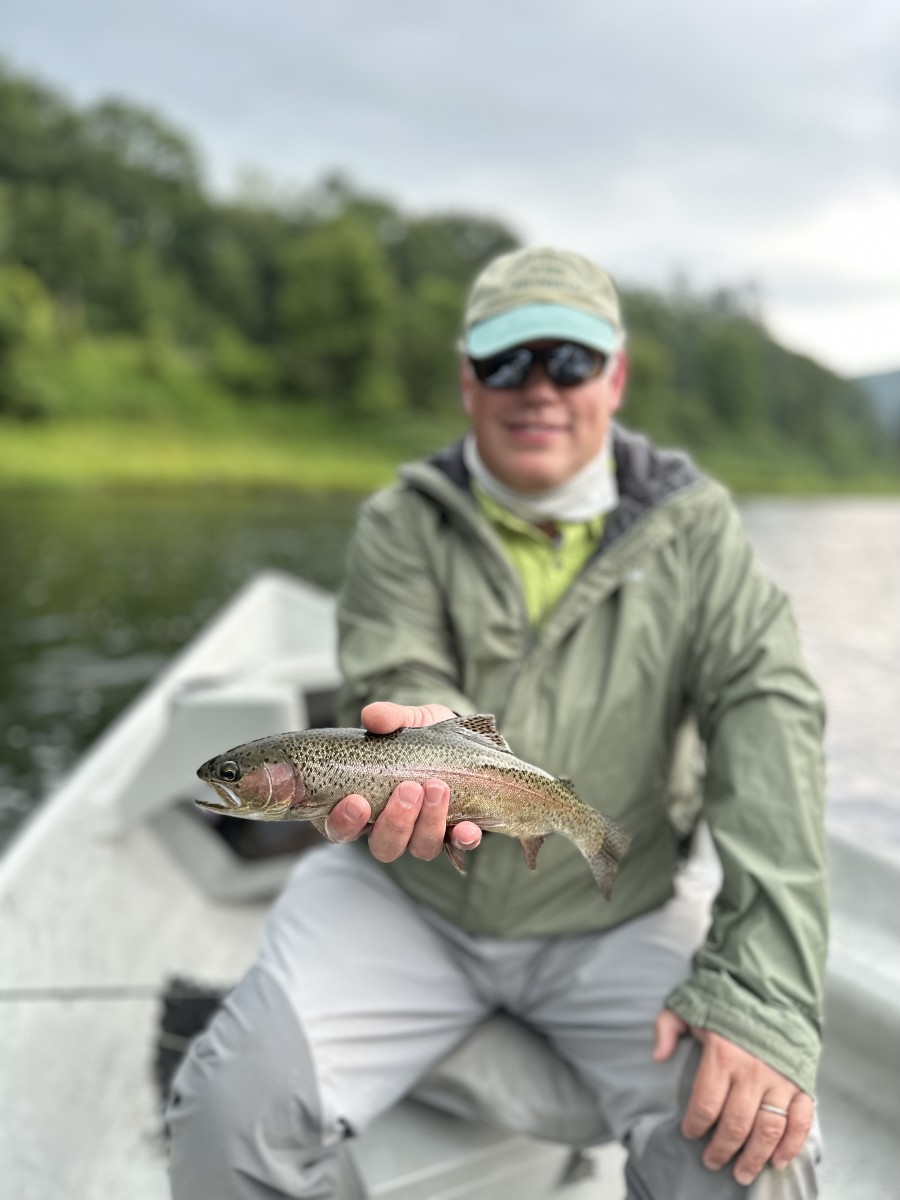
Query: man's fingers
[
  {"x": 427, "y": 838},
  {"x": 394, "y": 826},
  {"x": 733, "y": 1129},
  {"x": 766, "y": 1133},
  {"x": 774, "y": 1136},
  {"x": 348, "y": 819},
  {"x": 415, "y": 819},
  {"x": 708, "y": 1096},
  {"x": 801, "y": 1114},
  {"x": 466, "y": 835},
  {"x": 383, "y": 716}
]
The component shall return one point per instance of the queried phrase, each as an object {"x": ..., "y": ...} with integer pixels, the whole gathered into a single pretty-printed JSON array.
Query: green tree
[
  {"x": 429, "y": 316},
  {"x": 651, "y": 385},
  {"x": 452, "y": 246},
  {"x": 656, "y": 405},
  {"x": 27, "y": 333},
  {"x": 39, "y": 132},
  {"x": 734, "y": 378},
  {"x": 141, "y": 166},
  {"x": 336, "y": 311}
]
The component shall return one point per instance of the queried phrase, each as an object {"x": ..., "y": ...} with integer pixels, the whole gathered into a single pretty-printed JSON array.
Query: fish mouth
[{"x": 225, "y": 797}]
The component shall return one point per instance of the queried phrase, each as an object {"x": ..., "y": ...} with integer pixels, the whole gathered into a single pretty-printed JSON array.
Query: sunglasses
[{"x": 567, "y": 364}]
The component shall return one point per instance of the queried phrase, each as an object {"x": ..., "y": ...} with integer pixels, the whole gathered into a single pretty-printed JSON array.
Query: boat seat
[
  {"x": 204, "y": 718},
  {"x": 500, "y": 1118}
]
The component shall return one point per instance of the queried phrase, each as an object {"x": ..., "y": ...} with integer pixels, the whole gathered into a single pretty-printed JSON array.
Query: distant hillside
[
  {"x": 884, "y": 392},
  {"x": 129, "y": 293}
]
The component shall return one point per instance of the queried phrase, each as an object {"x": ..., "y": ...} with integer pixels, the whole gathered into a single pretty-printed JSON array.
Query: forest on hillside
[{"x": 128, "y": 291}]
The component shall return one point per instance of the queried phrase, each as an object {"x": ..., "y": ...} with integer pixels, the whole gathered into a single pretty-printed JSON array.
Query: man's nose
[{"x": 538, "y": 387}]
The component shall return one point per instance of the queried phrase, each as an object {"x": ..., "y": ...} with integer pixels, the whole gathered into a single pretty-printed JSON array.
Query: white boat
[{"x": 118, "y": 885}]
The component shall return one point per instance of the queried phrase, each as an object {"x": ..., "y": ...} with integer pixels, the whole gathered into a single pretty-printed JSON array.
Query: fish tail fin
[
  {"x": 602, "y": 842},
  {"x": 605, "y": 853}
]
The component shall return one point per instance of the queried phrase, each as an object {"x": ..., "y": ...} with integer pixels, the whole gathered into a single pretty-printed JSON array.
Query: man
[{"x": 594, "y": 593}]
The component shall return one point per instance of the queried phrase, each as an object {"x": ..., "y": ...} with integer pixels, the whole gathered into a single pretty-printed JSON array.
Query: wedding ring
[{"x": 779, "y": 1112}]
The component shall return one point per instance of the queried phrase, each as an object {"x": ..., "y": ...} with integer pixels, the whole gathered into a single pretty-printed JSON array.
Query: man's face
[{"x": 539, "y": 435}]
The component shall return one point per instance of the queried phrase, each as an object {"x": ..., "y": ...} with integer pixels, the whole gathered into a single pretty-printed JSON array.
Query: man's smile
[{"x": 535, "y": 431}]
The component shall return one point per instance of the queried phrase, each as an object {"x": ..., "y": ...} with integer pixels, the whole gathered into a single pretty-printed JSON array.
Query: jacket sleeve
[
  {"x": 394, "y": 639},
  {"x": 759, "y": 978}
]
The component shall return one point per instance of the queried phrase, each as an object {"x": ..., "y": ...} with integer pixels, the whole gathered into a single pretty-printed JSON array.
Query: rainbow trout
[{"x": 301, "y": 776}]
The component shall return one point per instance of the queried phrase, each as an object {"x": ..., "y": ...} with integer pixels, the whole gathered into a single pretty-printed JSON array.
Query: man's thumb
[
  {"x": 669, "y": 1029},
  {"x": 384, "y": 716}
]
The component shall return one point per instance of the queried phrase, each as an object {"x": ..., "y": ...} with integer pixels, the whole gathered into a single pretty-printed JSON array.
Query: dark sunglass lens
[
  {"x": 507, "y": 370},
  {"x": 567, "y": 364},
  {"x": 571, "y": 364}
]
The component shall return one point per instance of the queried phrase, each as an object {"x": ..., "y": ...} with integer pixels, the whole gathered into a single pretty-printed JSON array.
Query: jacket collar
[
  {"x": 650, "y": 482},
  {"x": 647, "y": 477}
]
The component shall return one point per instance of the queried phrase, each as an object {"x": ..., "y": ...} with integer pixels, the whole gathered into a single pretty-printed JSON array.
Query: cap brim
[{"x": 533, "y": 321}]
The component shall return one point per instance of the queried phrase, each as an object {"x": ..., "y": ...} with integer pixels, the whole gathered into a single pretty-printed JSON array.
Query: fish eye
[{"x": 229, "y": 771}]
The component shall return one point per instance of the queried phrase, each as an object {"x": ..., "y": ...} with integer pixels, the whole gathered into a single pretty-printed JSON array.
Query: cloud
[{"x": 700, "y": 136}]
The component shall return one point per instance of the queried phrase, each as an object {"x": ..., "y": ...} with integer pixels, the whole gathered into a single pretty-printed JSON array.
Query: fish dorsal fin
[
  {"x": 485, "y": 725},
  {"x": 480, "y": 727}
]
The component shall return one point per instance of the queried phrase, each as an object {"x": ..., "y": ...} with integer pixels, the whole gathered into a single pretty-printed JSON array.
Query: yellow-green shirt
[{"x": 545, "y": 565}]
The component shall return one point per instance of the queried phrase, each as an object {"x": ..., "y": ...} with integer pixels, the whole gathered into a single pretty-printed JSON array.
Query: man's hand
[
  {"x": 415, "y": 817},
  {"x": 729, "y": 1088}
]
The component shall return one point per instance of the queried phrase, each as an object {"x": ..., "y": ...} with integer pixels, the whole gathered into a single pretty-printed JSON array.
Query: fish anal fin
[
  {"x": 456, "y": 856},
  {"x": 530, "y": 848}
]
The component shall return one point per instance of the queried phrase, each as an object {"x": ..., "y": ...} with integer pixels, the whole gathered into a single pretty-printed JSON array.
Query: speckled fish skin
[{"x": 302, "y": 775}]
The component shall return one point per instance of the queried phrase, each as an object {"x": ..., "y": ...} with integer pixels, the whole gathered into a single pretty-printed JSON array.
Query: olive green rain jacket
[{"x": 671, "y": 618}]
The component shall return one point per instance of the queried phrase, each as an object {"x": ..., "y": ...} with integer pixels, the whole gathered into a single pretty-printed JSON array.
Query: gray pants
[{"x": 357, "y": 992}]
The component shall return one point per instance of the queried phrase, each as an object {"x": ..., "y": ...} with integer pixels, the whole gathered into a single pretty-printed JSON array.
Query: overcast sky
[{"x": 731, "y": 141}]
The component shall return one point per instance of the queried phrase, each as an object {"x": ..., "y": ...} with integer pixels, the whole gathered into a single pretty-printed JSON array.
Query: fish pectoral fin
[
  {"x": 489, "y": 824},
  {"x": 530, "y": 848},
  {"x": 315, "y": 813},
  {"x": 480, "y": 817}
]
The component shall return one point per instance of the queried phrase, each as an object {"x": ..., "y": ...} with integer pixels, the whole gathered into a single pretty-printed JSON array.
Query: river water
[
  {"x": 99, "y": 590},
  {"x": 839, "y": 560}
]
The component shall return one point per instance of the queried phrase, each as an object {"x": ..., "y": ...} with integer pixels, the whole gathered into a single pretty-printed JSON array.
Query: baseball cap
[{"x": 541, "y": 292}]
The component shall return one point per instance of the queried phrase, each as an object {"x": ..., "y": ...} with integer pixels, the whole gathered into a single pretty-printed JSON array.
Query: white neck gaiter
[{"x": 590, "y": 492}]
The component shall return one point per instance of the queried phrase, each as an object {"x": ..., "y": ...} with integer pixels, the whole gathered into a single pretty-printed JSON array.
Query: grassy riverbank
[
  {"x": 310, "y": 450},
  {"x": 305, "y": 449}
]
